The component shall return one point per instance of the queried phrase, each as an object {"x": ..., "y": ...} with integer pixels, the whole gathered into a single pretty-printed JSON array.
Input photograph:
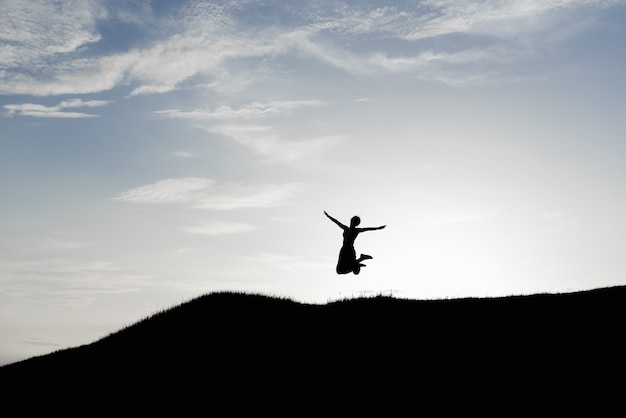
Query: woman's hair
[{"x": 355, "y": 221}]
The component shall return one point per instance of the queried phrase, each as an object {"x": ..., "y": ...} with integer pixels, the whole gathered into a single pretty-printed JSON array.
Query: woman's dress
[{"x": 347, "y": 255}]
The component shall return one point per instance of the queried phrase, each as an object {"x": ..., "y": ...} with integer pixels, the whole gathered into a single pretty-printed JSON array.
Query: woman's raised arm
[
  {"x": 375, "y": 228},
  {"x": 339, "y": 224}
]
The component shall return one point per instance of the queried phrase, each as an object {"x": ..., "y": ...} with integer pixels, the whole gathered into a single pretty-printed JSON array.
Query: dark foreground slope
[{"x": 229, "y": 345}]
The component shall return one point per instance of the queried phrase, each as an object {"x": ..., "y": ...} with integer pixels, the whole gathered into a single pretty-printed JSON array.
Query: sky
[{"x": 154, "y": 151}]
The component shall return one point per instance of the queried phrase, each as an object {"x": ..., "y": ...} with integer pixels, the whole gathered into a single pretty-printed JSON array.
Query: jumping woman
[{"x": 348, "y": 263}]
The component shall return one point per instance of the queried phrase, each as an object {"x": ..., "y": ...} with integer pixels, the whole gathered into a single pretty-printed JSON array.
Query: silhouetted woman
[{"x": 348, "y": 263}]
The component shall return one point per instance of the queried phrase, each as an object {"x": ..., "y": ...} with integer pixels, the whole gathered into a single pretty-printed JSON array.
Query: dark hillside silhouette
[{"x": 233, "y": 347}]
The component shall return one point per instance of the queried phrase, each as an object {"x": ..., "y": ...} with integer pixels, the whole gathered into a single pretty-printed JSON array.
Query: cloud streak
[
  {"x": 460, "y": 218},
  {"x": 265, "y": 141},
  {"x": 218, "y": 228},
  {"x": 261, "y": 139},
  {"x": 493, "y": 17},
  {"x": 58, "y": 111},
  {"x": 203, "y": 193},
  {"x": 67, "y": 281},
  {"x": 254, "y": 110}
]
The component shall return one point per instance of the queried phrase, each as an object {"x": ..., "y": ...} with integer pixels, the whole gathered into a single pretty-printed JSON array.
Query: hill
[{"x": 235, "y": 344}]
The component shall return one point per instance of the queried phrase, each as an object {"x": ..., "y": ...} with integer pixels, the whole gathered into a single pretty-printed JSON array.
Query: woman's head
[{"x": 355, "y": 221}]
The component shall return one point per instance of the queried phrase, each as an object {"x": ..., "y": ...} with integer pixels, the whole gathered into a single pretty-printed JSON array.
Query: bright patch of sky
[{"x": 152, "y": 151}]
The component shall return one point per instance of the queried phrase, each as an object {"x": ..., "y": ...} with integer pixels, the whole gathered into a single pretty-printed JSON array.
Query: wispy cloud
[
  {"x": 508, "y": 32},
  {"x": 240, "y": 196},
  {"x": 261, "y": 139},
  {"x": 184, "y": 154},
  {"x": 40, "y": 342},
  {"x": 434, "y": 18},
  {"x": 181, "y": 190},
  {"x": 494, "y": 17},
  {"x": 218, "y": 228},
  {"x": 468, "y": 66},
  {"x": 67, "y": 281},
  {"x": 55, "y": 47},
  {"x": 426, "y": 58},
  {"x": 39, "y": 64},
  {"x": 205, "y": 193},
  {"x": 291, "y": 262},
  {"x": 264, "y": 140},
  {"x": 552, "y": 216},
  {"x": 58, "y": 111},
  {"x": 461, "y": 217},
  {"x": 34, "y": 31},
  {"x": 252, "y": 111}
]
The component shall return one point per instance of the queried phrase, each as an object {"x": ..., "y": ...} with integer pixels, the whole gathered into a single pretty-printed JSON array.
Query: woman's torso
[{"x": 349, "y": 235}]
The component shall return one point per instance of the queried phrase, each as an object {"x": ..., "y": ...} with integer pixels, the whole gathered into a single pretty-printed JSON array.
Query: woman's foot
[{"x": 357, "y": 269}]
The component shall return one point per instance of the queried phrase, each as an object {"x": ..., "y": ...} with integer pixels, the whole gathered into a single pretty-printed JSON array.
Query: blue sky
[{"x": 152, "y": 151}]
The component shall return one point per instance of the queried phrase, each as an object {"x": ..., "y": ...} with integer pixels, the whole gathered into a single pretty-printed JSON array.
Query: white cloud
[
  {"x": 265, "y": 141},
  {"x": 54, "y": 243},
  {"x": 67, "y": 76},
  {"x": 51, "y": 47},
  {"x": 208, "y": 41},
  {"x": 184, "y": 154},
  {"x": 182, "y": 190},
  {"x": 33, "y": 31},
  {"x": 218, "y": 228},
  {"x": 205, "y": 193},
  {"x": 426, "y": 58},
  {"x": 468, "y": 66},
  {"x": 461, "y": 217},
  {"x": 292, "y": 262},
  {"x": 58, "y": 111},
  {"x": 239, "y": 196},
  {"x": 67, "y": 281},
  {"x": 551, "y": 216},
  {"x": 131, "y": 11},
  {"x": 252, "y": 111},
  {"x": 40, "y": 64},
  {"x": 494, "y": 17},
  {"x": 515, "y": 31}
]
